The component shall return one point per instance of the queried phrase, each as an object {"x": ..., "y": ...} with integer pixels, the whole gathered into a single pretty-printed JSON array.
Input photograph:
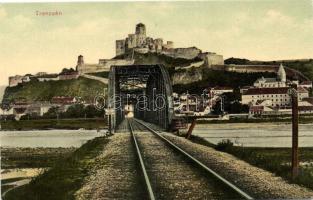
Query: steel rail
[
  {"x": 203, "y": 166},
  {"x": 142, "y": 165}
]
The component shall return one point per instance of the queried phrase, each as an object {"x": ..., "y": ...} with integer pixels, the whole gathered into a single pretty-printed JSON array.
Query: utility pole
[
  {"x": 295, "y": 130},
  {"x": 222, "y": 104},
  {"x": 187, "y": 101}
]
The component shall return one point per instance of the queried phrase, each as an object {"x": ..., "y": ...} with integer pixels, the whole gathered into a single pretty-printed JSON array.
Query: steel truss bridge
[{"x": 146, "y": 88}]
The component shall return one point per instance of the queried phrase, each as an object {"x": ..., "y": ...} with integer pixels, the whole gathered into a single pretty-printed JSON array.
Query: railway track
[{"x": 171, "y": 173}]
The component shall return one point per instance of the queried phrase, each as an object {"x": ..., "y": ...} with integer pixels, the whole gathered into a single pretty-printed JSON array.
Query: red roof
[
  {"x": 222, "y": 88},
  {"x": 256, "y": 108},
  {"x": 305, "y": 108},
  {"x": 308, "y": 99},
  {"x": 62, "y": 100},
  {"x": 306, "y": 83},
  {"x": 278, "y": 90}
]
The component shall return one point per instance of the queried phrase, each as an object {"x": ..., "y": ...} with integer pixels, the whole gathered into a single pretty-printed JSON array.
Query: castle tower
[
  {"x": 120, "y": 47},
  {"x": 281, "y": 74},
  {"x": 80, "y": 63},
  {"x": 80, "y": 60},
  {"x": 140, "y": 34},
  {"x": 140, "y": 29}
]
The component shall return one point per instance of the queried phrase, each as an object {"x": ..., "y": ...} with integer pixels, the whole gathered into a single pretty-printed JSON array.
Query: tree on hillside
[
  {"x": 75, "y": 111},
  {"x": 66, "y": 70},
  {"x": 52, "y": 113},
  {"x": 91, "y": 112}
]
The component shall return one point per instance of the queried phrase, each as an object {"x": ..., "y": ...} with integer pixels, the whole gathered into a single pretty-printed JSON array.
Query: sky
[{"x": 256, "y": 30}]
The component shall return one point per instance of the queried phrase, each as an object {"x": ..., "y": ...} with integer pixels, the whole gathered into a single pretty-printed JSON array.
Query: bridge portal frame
[{"x": 153, "y": 80}]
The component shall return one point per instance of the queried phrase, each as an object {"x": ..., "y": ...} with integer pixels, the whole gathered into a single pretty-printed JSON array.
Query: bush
[{"x": 224, "y": 145}]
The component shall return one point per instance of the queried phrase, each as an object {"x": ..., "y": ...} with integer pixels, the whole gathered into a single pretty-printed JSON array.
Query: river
[
  {"x": 47, "y": 138},
  {"x": 255, "y": 134}
]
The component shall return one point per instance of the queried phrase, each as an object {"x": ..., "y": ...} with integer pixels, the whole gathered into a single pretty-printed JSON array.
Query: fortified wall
[
  {"x": 187, "y": 53},
  {"x": 103, "y": 65},
  {"x": 260, "y": 68}
]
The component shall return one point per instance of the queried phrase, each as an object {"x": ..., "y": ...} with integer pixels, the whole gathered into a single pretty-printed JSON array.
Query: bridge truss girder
[{"x": 153, "y": 90}]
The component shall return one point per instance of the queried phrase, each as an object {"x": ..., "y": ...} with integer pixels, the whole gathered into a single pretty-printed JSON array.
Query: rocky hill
[{"x": 44, "y": 91}]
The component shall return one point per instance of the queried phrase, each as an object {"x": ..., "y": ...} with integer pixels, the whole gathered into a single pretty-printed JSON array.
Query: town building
[
  {"x": 279, "y": 81},
  {"x": 273, "y": 91},
  {"x": 6, "y": 111},
  {"x": 62, "y": 100},
  {"x": 218, "y": 90},
  {"x": 303, "y": 108},
  {"x": 306, "y": 84},
  {"x": 277, "y": 95},
  {"x": 38, "y": 108}
]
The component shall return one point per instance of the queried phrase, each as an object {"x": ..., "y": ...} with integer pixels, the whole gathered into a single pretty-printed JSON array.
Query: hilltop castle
[{"x": 141, "y": 43}]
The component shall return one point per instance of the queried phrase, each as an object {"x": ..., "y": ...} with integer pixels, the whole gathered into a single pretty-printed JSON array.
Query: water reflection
[
  {"x": 256, "y": 135},
  {"x": 47, "y": 138}
]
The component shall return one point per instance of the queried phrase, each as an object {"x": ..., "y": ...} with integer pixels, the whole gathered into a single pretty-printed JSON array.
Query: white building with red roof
[{"x": 278, "y": 95}]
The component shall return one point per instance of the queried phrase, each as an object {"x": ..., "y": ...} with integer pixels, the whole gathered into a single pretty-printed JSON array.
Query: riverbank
[
  {"x": 68, "y": 175},
  {"x": 303, "y": 119},
  {"x": 45, "y": 124},
  {"x": 32, "y": 157},
  {"x": 275, "y": 160},
  {"x": 276, "y": 134},
  {"x": 65, "y": 176},
  {"x": 20, "y": 165}
]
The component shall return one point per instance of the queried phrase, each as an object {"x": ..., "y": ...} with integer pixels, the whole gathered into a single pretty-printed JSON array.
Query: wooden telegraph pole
[{"x": 295, "y": 130}]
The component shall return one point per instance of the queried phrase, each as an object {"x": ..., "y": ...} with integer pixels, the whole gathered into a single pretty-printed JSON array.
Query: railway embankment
[
  {"x": 107, "y": 168},
  {"x": 259, "y": 183}
]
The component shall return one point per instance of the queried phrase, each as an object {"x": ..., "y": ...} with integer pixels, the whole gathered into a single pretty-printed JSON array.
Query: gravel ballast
[
  {"x": 115, "y": 175},
  {"x": 257, "y": 182},
  {"x": 173, "y": 176}
]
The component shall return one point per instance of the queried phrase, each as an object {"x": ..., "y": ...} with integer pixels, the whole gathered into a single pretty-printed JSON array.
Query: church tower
[{"x": 281, "y": 74}]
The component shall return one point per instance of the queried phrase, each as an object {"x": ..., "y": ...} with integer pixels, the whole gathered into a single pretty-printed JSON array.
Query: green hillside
[
  {"x": 212, "y": 78},
  {"x": 305, "y": 66},
  {"x": 44, "y": 91}
]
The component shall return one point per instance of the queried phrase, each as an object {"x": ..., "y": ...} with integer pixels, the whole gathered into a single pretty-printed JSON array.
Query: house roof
[
  {"x": 20, "y": 110},
  {"x": 222, "y": 88},
  {"x": 62, "y": 99},
  {"x": 308, "y": 108},
  {"x": 308, "y": 99},
  {"x": 266, "y": 80},
  {"x": 306, "y": 83}
]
